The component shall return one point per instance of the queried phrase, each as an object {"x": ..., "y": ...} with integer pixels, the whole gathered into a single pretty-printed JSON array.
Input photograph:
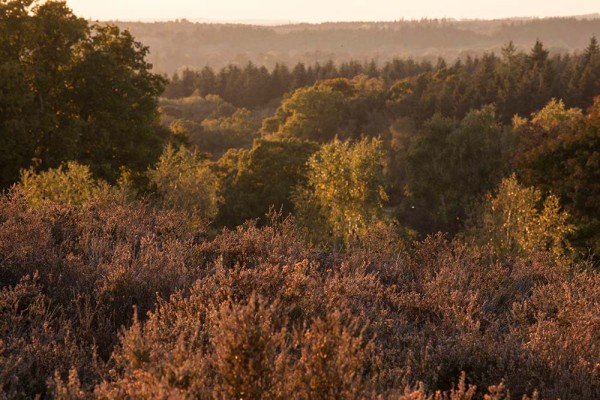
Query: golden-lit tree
[
  {"x": 312, "y": 113},
  {"x": 185, "y": 182},
  {"x": 344, "y": 192},
  {"x": 70, "y": 183},
  {"x": 513, "y": 223}
]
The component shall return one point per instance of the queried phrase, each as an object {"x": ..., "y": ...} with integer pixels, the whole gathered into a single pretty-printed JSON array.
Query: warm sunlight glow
[{"x": 330, "y": 10}]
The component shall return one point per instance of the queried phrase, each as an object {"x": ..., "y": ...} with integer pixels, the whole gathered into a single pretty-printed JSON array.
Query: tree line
[
  {"x": 181, "y": 43},
  {"x": 449, "y": 135},
  {"x": 255, "y": 86},
  {"x": 517, "y": 82}
]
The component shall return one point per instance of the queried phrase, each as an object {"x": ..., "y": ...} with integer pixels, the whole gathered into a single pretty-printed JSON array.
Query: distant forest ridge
[{"x": 180, "y": 44}]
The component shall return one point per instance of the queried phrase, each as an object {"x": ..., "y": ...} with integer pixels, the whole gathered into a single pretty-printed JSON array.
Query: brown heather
[{"x": 116, "y": 300}]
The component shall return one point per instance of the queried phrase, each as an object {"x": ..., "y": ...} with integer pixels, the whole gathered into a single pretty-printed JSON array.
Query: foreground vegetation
[
  {"x": 354, "y": 231},
  {"x": 257, "y": 312}
]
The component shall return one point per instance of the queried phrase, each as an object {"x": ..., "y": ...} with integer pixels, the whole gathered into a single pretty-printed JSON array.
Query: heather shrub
[
  {"x": 335, "y": 363},
  {"x": 278, "y": 241},
  {"x": 37, "y": 342},
  {"x": 241, "y": 349},
  {"x": 464, "y": 318},
  {"x": 560, "y": 340},
  {"x": 460, "y": 391},
  {"x": 173, "y": 312},
  {"x": 96, "y": 260},
  {"x": 248, "y": 350},
  {"x": 69, "y": 388}
]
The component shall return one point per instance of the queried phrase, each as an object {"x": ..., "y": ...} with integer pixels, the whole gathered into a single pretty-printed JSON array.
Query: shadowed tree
[
  {"x": 70, "y": 91},
  {"x": 451, "y": 164},
  {"x": 255, "y": 180}
]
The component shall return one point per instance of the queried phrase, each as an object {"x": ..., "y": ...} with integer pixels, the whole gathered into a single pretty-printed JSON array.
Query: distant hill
[
  {"x": 588, "y": 16},
  {"x": 181, "y": 43}
]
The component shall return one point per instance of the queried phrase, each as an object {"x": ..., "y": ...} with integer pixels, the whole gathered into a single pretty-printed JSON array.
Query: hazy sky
[{"x": 326, "y": 10}]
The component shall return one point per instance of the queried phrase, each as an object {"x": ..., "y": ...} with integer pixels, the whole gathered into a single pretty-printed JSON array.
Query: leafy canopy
[{"x": 71, "y": 91}]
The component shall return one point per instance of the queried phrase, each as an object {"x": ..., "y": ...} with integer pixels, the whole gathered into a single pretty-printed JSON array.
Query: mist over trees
[
  {"x": 179, "y": 44},
  {"x": 342, "y": 229}
]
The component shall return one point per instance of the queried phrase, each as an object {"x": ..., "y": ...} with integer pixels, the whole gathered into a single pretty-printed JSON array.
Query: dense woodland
[{"x": 320, "y": 230}]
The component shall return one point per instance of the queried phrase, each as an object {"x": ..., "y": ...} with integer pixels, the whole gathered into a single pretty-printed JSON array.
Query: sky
[{"x": 326, "y": 10}]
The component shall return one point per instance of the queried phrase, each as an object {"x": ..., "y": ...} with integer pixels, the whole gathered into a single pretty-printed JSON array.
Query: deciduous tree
[
  {"x": 71, "y": 91},
  {"x": 344, "y": 192},
  {"x": 513, "y": 223},
  {"x": 185, "y": 182}
]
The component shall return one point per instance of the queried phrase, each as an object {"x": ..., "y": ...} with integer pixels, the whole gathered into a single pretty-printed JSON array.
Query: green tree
[
  {"x": 207, "y": 81},
  {"x": 70, "y": 91},
  {"x": 313, "y": 113},
  {"x": 344, "y": 192},
  {"x": 538, "y": 54},
  {"x": 537, "y": 82},
  {"x": 559, "y": 151},
  {"x": 542, "y": 145},
  {"x": 70, "y": 183},
  {"x": 197, "y": 108},
  {"x": 35, "y": 58},
  {"x": 236, "y": 131},
  {"x": 512, "y": 222},
  {"x": 450, "y": 165},
  {"x": 334, "y": 107},
  {"x": 260, "y": 178},
  {"x": 116, "y": 99},
  {"x": 185, "y": 182},
  {"x": 588, "y": 77}
]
